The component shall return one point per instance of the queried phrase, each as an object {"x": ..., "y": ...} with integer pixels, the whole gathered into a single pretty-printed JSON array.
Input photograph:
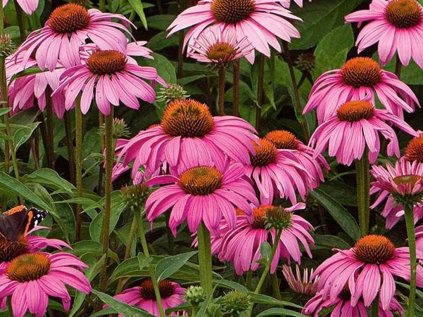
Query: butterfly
[{"x": 19, "y": 221}]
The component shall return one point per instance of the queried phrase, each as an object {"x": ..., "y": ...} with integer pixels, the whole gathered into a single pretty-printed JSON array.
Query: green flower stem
[
  {"x": 151, "y": 268},
  {"x": 363, "y": 192},
  {"x": 235, "y": 88},
  {"x": 21, "y": 22},
  {"x": 105, "y": 228},
  {"x": 398, "y": 67},
  {"x": 260, "y": 90},
  {"x": 409, "y": 221},
  {"x": 100, "y": 188},
  {"x": 267, "y": 268},
  {"x": 102, "y": 5},
  {"x": 205, "y": 259},
  {"x": 221, "y": 100},
  {"x": 50, "y": 130},
  {"x": 297, "y": 99},
  {"x": 275, "y": 286},
  {"x": 375, "y": 308},
  {"x": 70, "y": 147},
  {"x": 78, "y": 165}
]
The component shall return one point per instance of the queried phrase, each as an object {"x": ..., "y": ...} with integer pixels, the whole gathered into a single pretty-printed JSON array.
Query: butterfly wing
[{"x": 17, "y": 222}]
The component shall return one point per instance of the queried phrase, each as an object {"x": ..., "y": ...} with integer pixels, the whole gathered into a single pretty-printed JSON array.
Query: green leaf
[
  {"x": 4, "y": 111},
  {"x": 231, "y": 285},
  {"x": 268, "y": 300},
  {"x": 10, "y": 184},
  {"x": 22, "y": 133},
  {"x": 26, "y": 72},
  {"x": 164, "y": 67},
  {"x": 330, "y": 242},
  {"x": 169, "y": 265},
  {"x": 51, "y": 179},
  {"x": 139, "y": 9},
  {"x": 341, "y": 215},
  {"x": 143, "y": 261},
  {"x": 280, "y": 312},
  {"x": 160, "y": 22},
  {"x": 124, "y": 309}
]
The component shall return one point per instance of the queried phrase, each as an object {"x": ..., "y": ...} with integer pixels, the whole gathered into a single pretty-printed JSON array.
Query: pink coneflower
[
  {"x": 143, "y": 296},
  {"x": 201, "y": 194},
  {"x": 187, "y": 126},
  {"x": 33, "y": 90},
  {"x": 262, "y": 22},
  {"x": 314, "y": 163},
  {"x": 343, "y": 307},
  {"x": 277, "y": 173},
  {"x": 67, "y": 29},
  {"x": 241, "y": 245},
  {"x": 300, "y": 282},
  {"x": 109, "y": 78},
  {"x": 28, "y": 6},
  {"x": 396, "y": 25},
  {"x": 357, "y": 126},
  {"x": 220, "y": 47},
  {"x": 31, "y": 279},
  {"x": 360, "y": 78},
  {"x": 369, "y": 269},
  {"x": 404, "y": 178}
]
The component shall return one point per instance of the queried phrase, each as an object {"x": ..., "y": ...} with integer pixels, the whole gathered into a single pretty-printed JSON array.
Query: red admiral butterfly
[{"x": 18, "y": 221}]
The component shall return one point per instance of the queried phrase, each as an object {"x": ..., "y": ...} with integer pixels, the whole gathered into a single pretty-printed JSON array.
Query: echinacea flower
[
  {"x": 27, "y": 6},
  {"x": 241, "y": 245},
  {"x": 343, "y": 307},
  {"x": 217, "y": 46},
  {"x": 357, "y": 126},
  {"x": 368, "y": 269},
  {"x": 109, "y": 78},
  {"x": 262, "y": 22},
  {"x": 300, "y": 282},
  {"x": 277, "y": 173},
  {"x": 31, "y": 279},
  {"x": 396, "y": 25},
  {"x": 314, "y": 163},
  {"x": 33, "y": 90},
  {"x": 189, "y": 133},
  {"x": 143, "y": 296},
  {"x": 68, "y": 28},
  {"x": 361, "y": 78},
  {"x": 404, "y": 179},
  {"x": 201, "y": 193}
]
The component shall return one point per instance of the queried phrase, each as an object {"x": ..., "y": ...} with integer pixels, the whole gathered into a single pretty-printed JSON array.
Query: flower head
[
  {"x": 7, "y": 46},
  {"x": 414, "y": 150},
  {"x": 235, "y": 302},
  {"x": 143, "y": 296},
  {"x": 111, "y": 78},
  {"x": 261, "y": 22},
  {"x": 366, "y": 270},
  {"x": 44, "y": 275},
  {"x": 314, "y": 163},
  {"x": 300, "y": 283},
  {"x": 219, "y": 47},
  {"x": 365, "y": 123},
  {"x": 277, "y": 172},
  {"x": 241, "y": 245},
  {"x": 202, "y": 193},
  {"x": 393, "y": 25},
  {"x": 186, "y": 126},
  {"x": 67, "y": 29},
  {"x": 359, "y": 78}
]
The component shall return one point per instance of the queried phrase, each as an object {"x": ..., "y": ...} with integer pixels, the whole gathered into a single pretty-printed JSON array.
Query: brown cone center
[
  {"x": 265, "y": 153},
  {"x": 106, "y": 62},
  {"x": 414, "y": 150},
  {"x": 353, "y": 111},
  {"x": 28, "y": 267},
  {"x": 201, "y": 181},
  {"x": 232, "y": 11},
  {"x": 221, "y": 52},
  {"x": 361, "y": 72},
  {"x": 374, "y": 249},
  {"x": 283, "y": 139},
  {"x": 166, "y": 289},
  {"x": 403, "y": 14},
  {"x": 69, "y": 18}
]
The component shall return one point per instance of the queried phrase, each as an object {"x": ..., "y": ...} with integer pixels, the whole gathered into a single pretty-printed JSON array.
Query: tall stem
[
  {"x": 50, "y": 130},
  {"x": 70, "y": 146},
  {"x": 363, "y": 192},
  {"x": 78, "y": 166},
  {"x": 235, "y": 88},
  {"x": 375, "y": 308},
  {"x": 20, "y": 17},
  {"x": 297, "y": 100},
  {"x": 275, "y": 286},
  {"x": 267, "y": 268},
  {"x": 221, "y": 100},
  {"x": 205, "y": 259},
  {"x": 151, "y": 268},
  {"x": 409, "y": 222},
  {"x": 108, "y": 195},
  {"x": 102, "y": 5},
  {"x": 398, "y": 67},
  {"x": 100, "y": 187},
  {"x": 260, "y": 90}
]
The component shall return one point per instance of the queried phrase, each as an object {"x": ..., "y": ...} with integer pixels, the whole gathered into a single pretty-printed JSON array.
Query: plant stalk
[
  {"x": 409, "y": 222},
  {"x": 78, "y": 165},
  {"x": 50, "y": 130},
  {"x": 375, "y": 308},
  {"x": 363, "y": 192},
  {"x": 105, "y": 229},
  {"x": 70, "y": 146},
  {"x": 260, "y": 90},
  {"x": 21, "y": 23},
  {"x": 205, "y": 259},
  {"x": 221, "y": 100},
  {"x": 235, "y": 88},
  {"x": 398, "y": 67}
]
